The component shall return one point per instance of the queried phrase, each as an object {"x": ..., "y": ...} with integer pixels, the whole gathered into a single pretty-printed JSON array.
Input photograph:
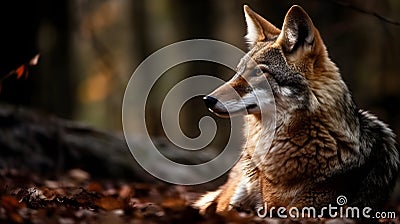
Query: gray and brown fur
[{"x": 320, "y": 146}]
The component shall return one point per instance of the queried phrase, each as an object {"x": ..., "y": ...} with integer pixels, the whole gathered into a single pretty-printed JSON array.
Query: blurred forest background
[{"x": 90, "y": 48}]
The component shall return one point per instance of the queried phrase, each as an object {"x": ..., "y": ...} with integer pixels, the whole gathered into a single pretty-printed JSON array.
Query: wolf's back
[{"x": 380, "y": 169}]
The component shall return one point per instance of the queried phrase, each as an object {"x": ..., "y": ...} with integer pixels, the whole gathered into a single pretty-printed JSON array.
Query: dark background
[{"x": 89, "y": 50}]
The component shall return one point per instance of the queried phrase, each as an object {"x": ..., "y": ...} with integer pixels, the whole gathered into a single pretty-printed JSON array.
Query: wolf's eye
[{"x": 255, "y": 72}]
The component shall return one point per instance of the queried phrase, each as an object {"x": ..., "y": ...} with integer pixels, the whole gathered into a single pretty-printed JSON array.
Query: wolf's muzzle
[{"x": 210, "y": 101}]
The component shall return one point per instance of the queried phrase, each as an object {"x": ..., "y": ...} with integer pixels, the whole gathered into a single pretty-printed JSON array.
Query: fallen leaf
[
  {"x": 10, "y": 203},
  {"x": 48, "y": 194},
  {"x": 34, "y": 194},
  {"x": 176, "y": 204},
  {"x": 95, "y": 187},
  {"x": 79, "y": 175},
  {"x": 125, "y": 191},
  {"x": 20, "y": 71},
  {"x": 109, "y": 203},
  {"x": 34, "y": 60},
  {"x": 150, "y": 209}
]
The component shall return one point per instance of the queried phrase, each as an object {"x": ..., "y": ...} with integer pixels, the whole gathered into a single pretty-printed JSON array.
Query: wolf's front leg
[
  {"x": 240, "y": 191},
  {"x": 220, "y": 199}
]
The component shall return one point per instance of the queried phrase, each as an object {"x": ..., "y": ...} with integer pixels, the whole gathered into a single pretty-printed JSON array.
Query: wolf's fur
[{"x": 320, "y": 146}]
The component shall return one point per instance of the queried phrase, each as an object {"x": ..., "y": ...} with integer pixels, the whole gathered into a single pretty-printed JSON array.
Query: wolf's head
[{"x": 293, "y": 60}]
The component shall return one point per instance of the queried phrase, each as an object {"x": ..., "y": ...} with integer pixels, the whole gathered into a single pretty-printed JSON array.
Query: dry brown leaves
[{"x": 76, "y": 198}]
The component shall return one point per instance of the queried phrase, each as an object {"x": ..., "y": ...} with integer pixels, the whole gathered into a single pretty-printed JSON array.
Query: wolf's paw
[{"x": 207, "y": 201}]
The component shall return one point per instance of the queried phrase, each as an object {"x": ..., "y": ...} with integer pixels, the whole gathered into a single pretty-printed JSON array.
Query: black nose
[{"x": 210, "y": 101}]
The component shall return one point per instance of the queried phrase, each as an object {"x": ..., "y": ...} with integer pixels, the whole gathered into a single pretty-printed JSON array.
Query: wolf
[{"x": 317, "y": 145}]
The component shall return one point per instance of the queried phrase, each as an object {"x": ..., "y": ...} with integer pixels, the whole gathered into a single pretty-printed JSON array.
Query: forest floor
[{"x": 75, "y": 197}]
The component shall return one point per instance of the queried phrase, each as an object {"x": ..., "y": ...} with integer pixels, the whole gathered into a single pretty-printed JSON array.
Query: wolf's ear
[
  {"x": 258, "y": 28},
  {"x": 297, "y": 30}
]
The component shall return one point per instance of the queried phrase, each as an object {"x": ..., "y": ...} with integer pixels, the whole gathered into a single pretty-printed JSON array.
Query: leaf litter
[{"x": 76, "y": 198}]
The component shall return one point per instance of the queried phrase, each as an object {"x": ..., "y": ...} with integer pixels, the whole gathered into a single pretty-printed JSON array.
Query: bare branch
[{"x": 371, "y": 13}]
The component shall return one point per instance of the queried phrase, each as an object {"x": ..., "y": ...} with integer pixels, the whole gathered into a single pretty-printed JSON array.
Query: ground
[{"x": 76, "y": 197}]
